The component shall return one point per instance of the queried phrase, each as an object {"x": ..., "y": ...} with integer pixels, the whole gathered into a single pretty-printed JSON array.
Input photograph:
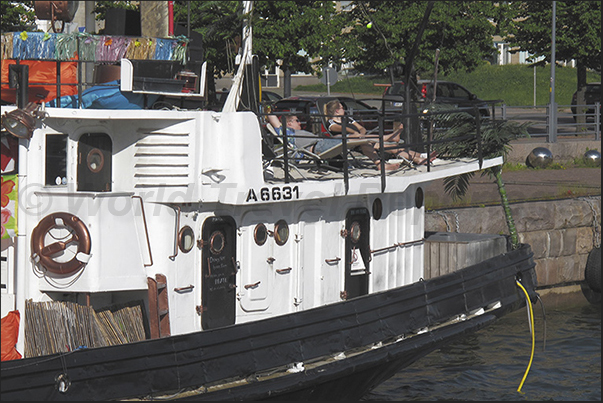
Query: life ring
[{"x": 43, "y": 254}]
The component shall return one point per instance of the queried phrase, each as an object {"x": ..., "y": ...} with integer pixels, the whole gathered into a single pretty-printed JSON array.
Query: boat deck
[{"x": 359, "y": 167}]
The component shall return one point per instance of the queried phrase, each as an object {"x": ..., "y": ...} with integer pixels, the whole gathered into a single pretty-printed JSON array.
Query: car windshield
[{"x": 353, "y": 105}]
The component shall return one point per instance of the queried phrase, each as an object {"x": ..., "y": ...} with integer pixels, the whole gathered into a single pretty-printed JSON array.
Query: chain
[
  {"x": 596, "y": 226},
  {"x": 456, "y": 219}
]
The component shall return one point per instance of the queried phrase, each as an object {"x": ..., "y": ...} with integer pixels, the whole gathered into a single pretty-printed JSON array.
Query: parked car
[
  {"x": 310, "y": 110},
  {"x": 447, "y": 92},
  {"x": 270, "y": 97},
  {"x": 591, "y": 96}
]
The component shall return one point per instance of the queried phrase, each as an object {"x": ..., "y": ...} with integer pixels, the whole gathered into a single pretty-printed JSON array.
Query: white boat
[{"x": 160, "y": 254}]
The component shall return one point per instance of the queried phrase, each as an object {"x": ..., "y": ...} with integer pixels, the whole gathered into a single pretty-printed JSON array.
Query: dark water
[{"x": 491, "y": 364}]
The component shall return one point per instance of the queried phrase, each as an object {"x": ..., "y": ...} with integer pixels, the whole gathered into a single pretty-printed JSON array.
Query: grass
[{"x": 514, "y": 84}]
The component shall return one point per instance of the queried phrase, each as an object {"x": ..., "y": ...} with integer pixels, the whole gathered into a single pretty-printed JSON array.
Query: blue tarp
[{"x": 106, "y": 96}]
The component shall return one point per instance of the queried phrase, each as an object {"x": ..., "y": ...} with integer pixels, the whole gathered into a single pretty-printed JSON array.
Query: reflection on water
[{"x": 490, "y": 364}]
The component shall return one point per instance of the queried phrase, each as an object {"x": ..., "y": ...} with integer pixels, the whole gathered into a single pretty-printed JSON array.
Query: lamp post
[{"x": 552, "y": 137}]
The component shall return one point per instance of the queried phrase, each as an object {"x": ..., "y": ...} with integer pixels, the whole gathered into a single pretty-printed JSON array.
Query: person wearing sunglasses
[{"x": 336, "y": 113}]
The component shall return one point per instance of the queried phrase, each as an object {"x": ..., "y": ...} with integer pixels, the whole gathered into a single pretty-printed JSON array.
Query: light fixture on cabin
[{"x": 21, "y": 122}]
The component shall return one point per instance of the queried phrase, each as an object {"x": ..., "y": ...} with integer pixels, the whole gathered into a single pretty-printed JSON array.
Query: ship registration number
[{"x": 273, "y": 194}]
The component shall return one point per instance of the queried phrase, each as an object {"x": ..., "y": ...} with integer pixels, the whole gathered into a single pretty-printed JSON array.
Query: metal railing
[
  {"x": 554, "y": 122},
  {"x": 421, "y": 140}
]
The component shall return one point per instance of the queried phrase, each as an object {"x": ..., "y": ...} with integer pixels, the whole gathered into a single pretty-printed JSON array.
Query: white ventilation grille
[{"x": 162, "y": 160}]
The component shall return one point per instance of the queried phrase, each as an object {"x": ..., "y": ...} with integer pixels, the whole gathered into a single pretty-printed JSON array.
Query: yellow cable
[{"x": 532, "y": 330}]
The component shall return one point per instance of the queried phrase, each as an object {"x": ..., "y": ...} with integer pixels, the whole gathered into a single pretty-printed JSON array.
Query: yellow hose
[{"x": 531, "y": 331}]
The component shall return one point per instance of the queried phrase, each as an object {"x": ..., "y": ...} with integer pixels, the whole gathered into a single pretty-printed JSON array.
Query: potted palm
[{"x": 481, "y": 138}]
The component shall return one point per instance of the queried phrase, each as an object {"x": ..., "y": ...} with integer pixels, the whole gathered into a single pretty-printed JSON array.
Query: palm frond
[
  {"x": 453, "y": 124},
  {"x": 457, "y": 186}
]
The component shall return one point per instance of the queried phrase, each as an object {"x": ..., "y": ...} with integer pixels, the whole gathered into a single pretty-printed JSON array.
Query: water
[{"x": 490, "y": 364}]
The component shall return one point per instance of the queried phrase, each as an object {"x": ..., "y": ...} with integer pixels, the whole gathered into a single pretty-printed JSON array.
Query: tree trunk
[
  {"x": 580, "y": 117},
  {"x": 506, "y": 207},
  {"x": 287, "y": 82}
]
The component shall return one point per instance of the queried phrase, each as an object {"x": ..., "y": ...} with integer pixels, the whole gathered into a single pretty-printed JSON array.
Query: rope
[{"x": 531, "y": 322}]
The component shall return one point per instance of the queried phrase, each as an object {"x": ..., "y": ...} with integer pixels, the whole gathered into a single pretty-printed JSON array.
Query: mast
[{"x": 234, "y": 95}]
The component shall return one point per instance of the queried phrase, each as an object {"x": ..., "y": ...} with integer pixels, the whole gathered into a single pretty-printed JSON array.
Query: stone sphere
[
  {"x": 592, "y": 158},
  {"x": 540, "y": 157}
]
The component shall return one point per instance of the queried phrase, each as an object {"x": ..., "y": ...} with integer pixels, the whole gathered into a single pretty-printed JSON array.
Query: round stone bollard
[
  {"x": 540, "y": 157},
  {"x": 592, "y": 158}
]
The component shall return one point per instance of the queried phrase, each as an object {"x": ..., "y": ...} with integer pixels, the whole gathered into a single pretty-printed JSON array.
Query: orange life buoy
[{"x": 43, "y": 254}]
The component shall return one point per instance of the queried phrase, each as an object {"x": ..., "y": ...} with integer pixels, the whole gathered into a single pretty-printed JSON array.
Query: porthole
[
  {"x": 419, "y": 198},
  {"x": 95, "y": 160},
  {"x": 281, "y": 232},
  {"x": 260, "y": 234},
  {"x": 216, "y": 242},
  {"x": 355, "y": 232},
  {"x": 377, "y": 209},
  {"x": 186, "y": 239}
]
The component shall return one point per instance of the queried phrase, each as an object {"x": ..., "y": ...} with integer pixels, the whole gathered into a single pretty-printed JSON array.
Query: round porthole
[
  {"x": 377, "y": 209},
  {"x": 216, "y": 242},
  {"x": 95, "y": 160},
  {"x": 281, "y": 232},
  {"x": 355, "y": 232},
  {"x": 419, "y": 198},
  {"x": 260, "y": 234},
  {"x": 186, "y": 239}
]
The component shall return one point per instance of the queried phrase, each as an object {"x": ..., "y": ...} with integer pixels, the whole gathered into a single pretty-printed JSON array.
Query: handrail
[
  {"x": 383, "y": 116},
  {"x": 146, "y": 230}
]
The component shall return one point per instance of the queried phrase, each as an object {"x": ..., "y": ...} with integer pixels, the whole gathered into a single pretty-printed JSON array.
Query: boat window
[
  {"x": 94, "y": 162},
  {"x": 216, "y": 242},
  {"x": 260, "y": 234},
  {"x": 377, "y": 208},
  {"x": 419, "y": 198},
  {"x": 56, "y": 159},
  {"x": 186, "y": 239},
  {"x": 281, "y": 232},
  {"x": 355, "y": 232}
]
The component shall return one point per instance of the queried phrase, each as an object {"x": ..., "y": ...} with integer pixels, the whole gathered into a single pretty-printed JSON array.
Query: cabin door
[
  {"x": 357, "y": 252},
  {"x": 94, "y": 163},
  {"x": 218, "y": 269}
]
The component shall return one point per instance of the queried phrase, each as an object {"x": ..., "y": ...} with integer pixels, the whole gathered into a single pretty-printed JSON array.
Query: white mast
[{"x": 234, "y": 95}]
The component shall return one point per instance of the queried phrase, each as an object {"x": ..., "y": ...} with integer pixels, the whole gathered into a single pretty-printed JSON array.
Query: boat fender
[
  {"x": 43, "y": 254},
  {"x": 592, "y": 273}
]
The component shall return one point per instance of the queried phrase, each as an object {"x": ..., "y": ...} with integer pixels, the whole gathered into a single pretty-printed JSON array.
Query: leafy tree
[
  {"x": 100, "y": 7},
  {"x": 220, "y": 24},
  {"x": 577, "y": 32},
  {"x": 461, "y": 30},
  {"x": 294, "y": 32},
  {"x": 17, "y": 16}
]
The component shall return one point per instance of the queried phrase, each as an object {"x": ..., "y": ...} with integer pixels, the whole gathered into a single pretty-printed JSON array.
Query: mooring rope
[{"x": 531, "y": 322}]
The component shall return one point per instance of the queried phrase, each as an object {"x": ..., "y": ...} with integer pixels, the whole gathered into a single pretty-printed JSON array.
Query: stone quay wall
[{"x": 561, "y": 232}]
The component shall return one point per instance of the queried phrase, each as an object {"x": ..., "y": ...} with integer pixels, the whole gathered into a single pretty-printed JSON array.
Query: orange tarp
[
  {"x": 10, "y": 333},
  {"x": 41, "y": 72}
]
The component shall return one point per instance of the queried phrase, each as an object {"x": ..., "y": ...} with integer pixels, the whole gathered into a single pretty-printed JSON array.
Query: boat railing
[
  {"x": 167, "y": 57},
  {"x": 418, "y": 135}
]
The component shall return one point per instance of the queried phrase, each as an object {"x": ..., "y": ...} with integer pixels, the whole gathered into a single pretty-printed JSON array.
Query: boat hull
[{"x": 334, "y": 352}]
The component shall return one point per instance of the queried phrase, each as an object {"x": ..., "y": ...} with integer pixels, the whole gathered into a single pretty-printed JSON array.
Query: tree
[
  {"x": 461, "y": 30},
  {"x": 296, "y": 33},
  {"x": 220, "y": 25},
  {"x": 17, "y": 16},
  {"x": 577, "y": 33}
]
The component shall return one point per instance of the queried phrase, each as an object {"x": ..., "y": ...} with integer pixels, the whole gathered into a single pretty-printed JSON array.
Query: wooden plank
[
  {"x": 153, "y": 309},
  {"x": 162, "y": 306}
]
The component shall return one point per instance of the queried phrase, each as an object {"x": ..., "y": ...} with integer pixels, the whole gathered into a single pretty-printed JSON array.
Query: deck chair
[
  {"x": 274, "y": 151},
  {"x": 298, "y": 156}
]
